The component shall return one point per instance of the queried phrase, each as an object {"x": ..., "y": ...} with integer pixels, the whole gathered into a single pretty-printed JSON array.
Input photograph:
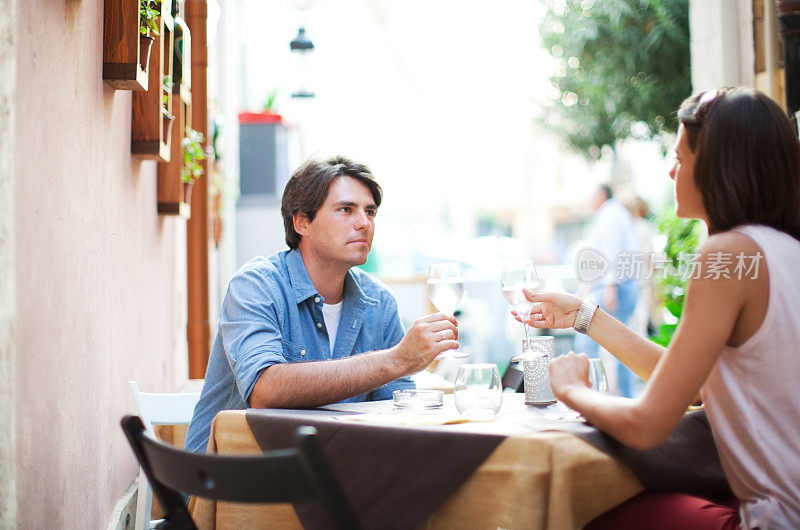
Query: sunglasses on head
[{"x": 704, "y": 105}]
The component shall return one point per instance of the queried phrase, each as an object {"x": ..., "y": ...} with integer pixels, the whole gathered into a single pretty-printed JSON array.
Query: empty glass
[
  {"x": 478, "y": 391},
  {"x": 597, "y": 376}
]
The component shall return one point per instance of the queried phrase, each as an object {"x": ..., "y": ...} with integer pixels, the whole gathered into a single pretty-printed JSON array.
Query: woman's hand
[
  {"x": 551, "y": 310},
  {"x": 569, "y": 370}
]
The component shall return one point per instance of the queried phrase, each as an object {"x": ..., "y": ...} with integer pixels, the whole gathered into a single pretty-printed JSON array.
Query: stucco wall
[{"x": 100, "y": 277}]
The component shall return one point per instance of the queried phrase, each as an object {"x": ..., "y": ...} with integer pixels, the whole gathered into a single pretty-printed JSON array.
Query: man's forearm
[{"x": 312, "y": 384}]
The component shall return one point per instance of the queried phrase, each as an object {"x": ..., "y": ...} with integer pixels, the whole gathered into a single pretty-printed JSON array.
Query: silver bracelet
[{"x": 584, "y": 316}]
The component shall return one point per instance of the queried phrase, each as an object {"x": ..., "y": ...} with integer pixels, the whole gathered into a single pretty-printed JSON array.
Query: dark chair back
[
  {"x": 514, "y": 378},
  {"x": 297, "y": 474}
]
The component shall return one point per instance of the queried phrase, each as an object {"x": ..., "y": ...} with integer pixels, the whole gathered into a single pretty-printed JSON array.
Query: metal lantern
[{"x": 301, "y": 47}]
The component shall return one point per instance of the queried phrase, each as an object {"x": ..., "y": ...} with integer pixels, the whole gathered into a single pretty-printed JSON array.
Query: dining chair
[
  {"x": 158, "y": 408},
  {"x": 513, "y": 379},
  {"x": 296, "y": 474}
]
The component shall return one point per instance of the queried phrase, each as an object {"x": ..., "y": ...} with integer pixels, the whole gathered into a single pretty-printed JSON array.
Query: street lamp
[
  {"x": 789, "y": 22},
  {"x": 301, "y": 47}
]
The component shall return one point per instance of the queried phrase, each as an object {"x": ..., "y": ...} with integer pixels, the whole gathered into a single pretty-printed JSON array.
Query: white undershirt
[{"x": 331, "y": 313}]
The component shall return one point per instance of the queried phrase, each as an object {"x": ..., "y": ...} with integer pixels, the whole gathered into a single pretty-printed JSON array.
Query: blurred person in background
[
  {"x": 613, "y": 234},
  {"x": 642, "y": 321}
]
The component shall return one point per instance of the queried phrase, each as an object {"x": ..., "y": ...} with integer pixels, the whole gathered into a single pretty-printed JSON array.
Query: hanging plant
[
  {"x": 193, "y": 154},
  {"x": 148, "y": 30},
  {"x": 148, "y": 16}
]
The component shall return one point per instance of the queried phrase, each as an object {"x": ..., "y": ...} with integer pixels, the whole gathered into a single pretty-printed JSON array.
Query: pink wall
[{"x": 100, "y": 276}]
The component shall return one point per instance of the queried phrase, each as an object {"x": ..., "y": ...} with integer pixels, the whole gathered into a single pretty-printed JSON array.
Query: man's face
[{"x": 341, "y": 232}]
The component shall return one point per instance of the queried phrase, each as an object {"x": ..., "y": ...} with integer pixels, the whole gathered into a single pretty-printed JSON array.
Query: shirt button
[
  {"x": 302, "y": 353},
  {"x": 319, "y": 325},
  {"x": 317, "y": 299}
]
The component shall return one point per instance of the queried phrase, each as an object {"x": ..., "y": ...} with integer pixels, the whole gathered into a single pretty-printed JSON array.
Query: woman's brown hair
[{"x": 747, "y": 159}]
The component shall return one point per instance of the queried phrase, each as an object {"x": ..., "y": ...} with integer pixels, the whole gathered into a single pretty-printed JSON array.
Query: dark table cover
[
  {"x": 687, "y": 462},
  {"x": 395, "y": 476}
]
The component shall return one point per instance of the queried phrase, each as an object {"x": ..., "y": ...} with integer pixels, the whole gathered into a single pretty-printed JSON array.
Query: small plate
[{"x": 418, "y": 399}]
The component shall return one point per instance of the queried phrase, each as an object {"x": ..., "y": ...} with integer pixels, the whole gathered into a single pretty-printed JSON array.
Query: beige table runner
[{"x": 549, "y": 480}]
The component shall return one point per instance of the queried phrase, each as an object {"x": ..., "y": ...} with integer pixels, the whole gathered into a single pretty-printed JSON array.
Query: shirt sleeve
[
  {"x": 608, "y": 235},
  {"x": 250, "y": 329},
  {"x": 393, "y": 334}
]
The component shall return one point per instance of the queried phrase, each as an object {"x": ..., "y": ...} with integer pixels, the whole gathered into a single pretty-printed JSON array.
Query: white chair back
[
  {"x": 155, "y": 408},
  {"x": 173, "y": 408}
]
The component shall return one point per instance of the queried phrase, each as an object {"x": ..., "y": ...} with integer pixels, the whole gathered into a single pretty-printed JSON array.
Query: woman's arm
[
  {"x": 558, "y": 310},
  {"x": 711, "y": 316}
]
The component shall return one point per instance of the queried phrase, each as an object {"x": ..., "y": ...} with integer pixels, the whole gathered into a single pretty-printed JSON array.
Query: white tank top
[{"x": 752, "y": 396}]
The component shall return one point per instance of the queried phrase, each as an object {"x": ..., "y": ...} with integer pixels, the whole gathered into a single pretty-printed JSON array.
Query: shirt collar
[
  {"x": 301, "y": 282},
  {"x": 353, "y": 290},
  {"x": 304, "y": 288}
]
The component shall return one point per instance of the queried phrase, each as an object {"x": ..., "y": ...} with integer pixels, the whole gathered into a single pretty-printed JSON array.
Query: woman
[{"x": 738, "y": 342}]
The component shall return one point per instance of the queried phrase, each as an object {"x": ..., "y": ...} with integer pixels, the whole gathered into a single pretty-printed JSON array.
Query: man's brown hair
[{"x": 308, "y": 188}]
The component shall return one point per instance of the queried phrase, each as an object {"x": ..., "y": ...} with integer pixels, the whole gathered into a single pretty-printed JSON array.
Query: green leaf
[
  {"x": 193, "y": 153},
  {"x": 664, "y": 335}
]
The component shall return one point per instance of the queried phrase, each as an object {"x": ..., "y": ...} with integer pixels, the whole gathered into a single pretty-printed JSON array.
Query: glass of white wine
[
  {"x": 515, "y": 278},
  {"x": 445, "y": 290}
]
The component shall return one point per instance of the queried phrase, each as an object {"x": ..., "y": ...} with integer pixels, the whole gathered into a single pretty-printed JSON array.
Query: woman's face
[{"x": 687, "y": 197}]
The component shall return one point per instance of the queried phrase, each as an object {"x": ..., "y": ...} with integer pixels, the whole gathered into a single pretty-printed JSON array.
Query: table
[{"x": 534, "y": 478}]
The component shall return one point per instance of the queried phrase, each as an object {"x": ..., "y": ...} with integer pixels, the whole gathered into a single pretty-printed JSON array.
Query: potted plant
[
  {"x": 268, "y": 114},
  {"x": 193, "y": 154},
  {"x": 269, "y": 102},
  {"x": 148, "y": 30},
  {"x": 169, "y": 119}
]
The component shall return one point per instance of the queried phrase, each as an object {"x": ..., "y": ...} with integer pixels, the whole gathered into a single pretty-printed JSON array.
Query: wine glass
[
  {"x": 597, "y": 376},
  {"x": 445, "y": 290},
  {"x": 515, "y": 278},
  {"x": 478, "y": 391}
]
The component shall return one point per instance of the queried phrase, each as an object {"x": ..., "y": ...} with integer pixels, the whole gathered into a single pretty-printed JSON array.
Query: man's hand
[{"x": 425, "y": 339}]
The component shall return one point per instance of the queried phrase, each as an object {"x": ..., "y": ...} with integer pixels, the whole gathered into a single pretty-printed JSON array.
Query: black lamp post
[
  {"x": 789, "y": 23},
  {"x": 301, "y": 47}
]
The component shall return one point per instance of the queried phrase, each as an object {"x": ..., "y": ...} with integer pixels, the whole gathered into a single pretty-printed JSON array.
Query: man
[
  {"x": 613, "y": 234},
  {"x": 305, "y": 328}
]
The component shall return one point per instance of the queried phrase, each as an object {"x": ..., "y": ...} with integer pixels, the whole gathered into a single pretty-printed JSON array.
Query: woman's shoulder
[
  {"x": 731, "y": 241},
  {"x": 753, "y": 238}
]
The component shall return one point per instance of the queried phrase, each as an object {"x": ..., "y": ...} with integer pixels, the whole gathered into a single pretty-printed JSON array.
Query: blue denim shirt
[{"x": 272, "y": 313}]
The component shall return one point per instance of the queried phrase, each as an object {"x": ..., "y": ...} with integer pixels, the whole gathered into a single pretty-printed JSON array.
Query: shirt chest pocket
[{"x": 294, "y": 352}]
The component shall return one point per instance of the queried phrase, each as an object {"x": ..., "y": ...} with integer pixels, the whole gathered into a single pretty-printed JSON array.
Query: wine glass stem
[{"x": 525, "y": 327}]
